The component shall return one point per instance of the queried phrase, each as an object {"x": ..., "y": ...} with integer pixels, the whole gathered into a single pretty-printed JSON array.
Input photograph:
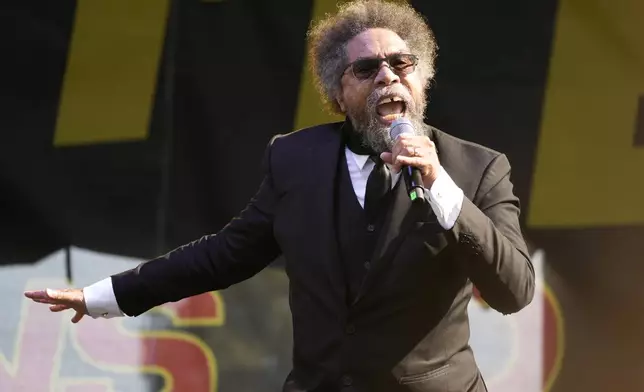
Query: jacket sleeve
[
  {"x": 490, "y": 244},
  {"x": 243, "y": 248}
]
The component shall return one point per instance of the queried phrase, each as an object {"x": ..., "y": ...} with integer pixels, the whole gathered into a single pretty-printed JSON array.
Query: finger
[
  {"x": 61, "y": 297},
  {"x": 413, "y": 137},
  {"x": 387, "y": 157},
  {"x": 406, "y": 136},
  {"x": 40, "y": 297},
  {"x": 400, "y": 145},
  {"x": 418, "y": 162},
  {"x": 417, "y": 141},
  {"x": 45, "y": 301},
  {"x": 424, "y": 141},
  {"x": 411, "y": 151},
  {"x": 418, "y": 151},
  {"x": 412, "y": 147},
  {"x": 59, "y": 307},
  {"x": 77, "y": 317},
  {"x": 40, "y": 294}
]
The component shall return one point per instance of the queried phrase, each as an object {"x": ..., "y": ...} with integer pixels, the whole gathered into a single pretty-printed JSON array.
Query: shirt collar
[{"x": 360, "y": 160}]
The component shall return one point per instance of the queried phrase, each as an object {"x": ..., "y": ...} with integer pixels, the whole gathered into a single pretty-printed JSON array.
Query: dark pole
[{"x": 68, "y": 262}]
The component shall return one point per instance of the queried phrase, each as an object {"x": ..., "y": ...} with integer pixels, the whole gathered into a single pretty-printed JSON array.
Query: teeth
[{"x": 390, "y": 99}]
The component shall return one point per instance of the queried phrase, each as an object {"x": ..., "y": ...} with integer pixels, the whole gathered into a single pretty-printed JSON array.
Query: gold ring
[{"x": 416, "y": 151}]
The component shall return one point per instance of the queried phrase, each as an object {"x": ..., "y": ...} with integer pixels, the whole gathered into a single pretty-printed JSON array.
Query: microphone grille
[{"x": 400, "y": 126}]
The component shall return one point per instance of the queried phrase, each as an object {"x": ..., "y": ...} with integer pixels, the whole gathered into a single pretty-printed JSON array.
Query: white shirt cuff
[
  {"x": 101, "y": 301},
  {"x": 446, "y": 199}
]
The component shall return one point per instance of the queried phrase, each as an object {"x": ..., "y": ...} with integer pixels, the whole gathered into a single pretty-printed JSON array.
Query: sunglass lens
[
  {"x": 364, "y": 69},
  {"x": 403, "y": 62}
]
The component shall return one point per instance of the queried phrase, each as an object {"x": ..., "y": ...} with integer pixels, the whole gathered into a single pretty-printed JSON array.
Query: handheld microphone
[{"x": 413, "y": 178}]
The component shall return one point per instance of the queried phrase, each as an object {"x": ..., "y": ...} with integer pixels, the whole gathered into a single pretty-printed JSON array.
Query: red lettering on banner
[
  {"x": 205, "y": 309},
  {"x": 184, "y": 362}
]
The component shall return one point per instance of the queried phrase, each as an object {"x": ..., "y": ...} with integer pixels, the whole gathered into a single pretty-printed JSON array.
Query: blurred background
[{"x": 130, "y": 127}]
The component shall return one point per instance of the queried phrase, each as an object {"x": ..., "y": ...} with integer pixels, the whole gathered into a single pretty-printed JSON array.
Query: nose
[{"x": 386, "y": 76}]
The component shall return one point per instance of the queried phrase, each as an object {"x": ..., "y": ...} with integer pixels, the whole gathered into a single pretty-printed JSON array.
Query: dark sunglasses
[{"x": 400, "y": 63}]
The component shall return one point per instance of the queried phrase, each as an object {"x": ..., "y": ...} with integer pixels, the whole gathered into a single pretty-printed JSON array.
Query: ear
[{"x": 341, "y": 103}]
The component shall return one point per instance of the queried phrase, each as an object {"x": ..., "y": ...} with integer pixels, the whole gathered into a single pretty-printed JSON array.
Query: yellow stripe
[
  {"x": 309, "y": 107},
  {"x": 112, "y": 67},
  {"x": 588, "y": 172}
]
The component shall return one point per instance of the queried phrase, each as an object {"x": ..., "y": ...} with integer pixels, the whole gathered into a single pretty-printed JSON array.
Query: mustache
[{"x": 397, "y": 90}]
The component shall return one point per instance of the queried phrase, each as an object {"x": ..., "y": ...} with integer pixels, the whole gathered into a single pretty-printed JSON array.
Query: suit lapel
[{"x": 324, "y": 159}]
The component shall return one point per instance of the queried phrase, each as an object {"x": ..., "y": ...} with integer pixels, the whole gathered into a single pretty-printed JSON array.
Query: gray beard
[{"x": 375, "y": 135}]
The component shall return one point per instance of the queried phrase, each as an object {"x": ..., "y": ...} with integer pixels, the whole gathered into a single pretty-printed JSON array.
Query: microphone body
[{"x": 411, "y": 175}]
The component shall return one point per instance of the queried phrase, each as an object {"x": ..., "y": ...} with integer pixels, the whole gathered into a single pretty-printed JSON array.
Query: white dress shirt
[{"x": 444, "y": 196}]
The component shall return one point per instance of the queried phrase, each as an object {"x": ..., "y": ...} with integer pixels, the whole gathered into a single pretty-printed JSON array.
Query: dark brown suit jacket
[{"x": 408, "y": 329}]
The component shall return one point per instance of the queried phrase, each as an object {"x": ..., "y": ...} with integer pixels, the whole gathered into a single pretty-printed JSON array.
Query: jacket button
[
  {"x": 371, "y": 228},
  {"x": 347, "y": 381},
  {"x": 350, "y": 329},
  {"x": 367, "y": 265}
]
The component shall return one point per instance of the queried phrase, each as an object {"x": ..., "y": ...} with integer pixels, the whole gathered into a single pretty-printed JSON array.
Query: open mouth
[{"x": 390, "y": 108}]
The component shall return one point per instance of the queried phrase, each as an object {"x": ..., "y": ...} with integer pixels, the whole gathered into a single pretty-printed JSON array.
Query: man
[{"x": 379, "y": 285}]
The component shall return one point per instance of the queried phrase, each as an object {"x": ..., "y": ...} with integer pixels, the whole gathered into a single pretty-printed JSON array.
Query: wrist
[
  {"x": 85, "y": 310},
  {"x": 430, "y": 178}
]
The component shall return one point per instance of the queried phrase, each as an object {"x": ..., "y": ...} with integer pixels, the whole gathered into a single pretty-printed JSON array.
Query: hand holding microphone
[{"x": 413, "y": 154}]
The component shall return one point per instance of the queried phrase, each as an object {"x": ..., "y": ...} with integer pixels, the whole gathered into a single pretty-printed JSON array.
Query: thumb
[
  {"x": 77, "y": 317},
  {"x": 387, "y": 157}
]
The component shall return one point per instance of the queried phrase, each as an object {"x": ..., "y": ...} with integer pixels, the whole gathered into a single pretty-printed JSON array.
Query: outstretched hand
[{"x": 60, "y": 300}]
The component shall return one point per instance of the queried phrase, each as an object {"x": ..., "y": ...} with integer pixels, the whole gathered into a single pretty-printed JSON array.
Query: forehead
[{"x": 373, "y": 43}]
